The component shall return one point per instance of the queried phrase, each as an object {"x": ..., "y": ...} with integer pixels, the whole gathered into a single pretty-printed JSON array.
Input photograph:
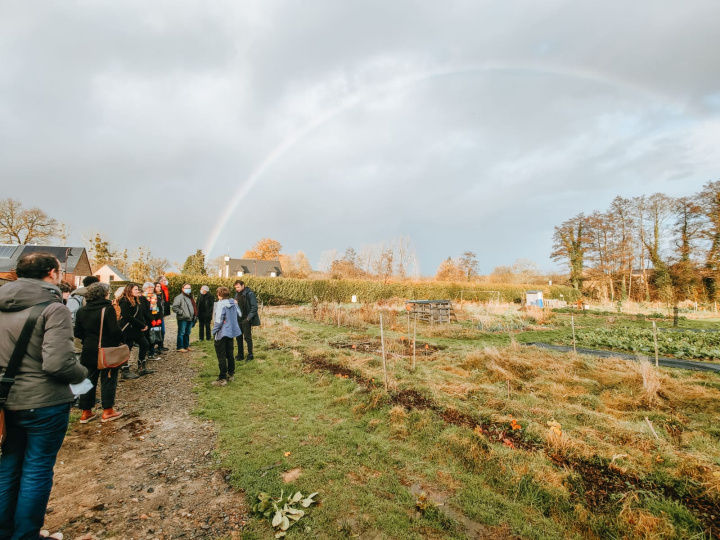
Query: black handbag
[{"x": 8, "y": 378}]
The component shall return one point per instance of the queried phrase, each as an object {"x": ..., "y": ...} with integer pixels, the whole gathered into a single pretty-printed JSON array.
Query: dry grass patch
[
  {"x": 641, "y": 524},
  {"x": 398, "y": 422}
]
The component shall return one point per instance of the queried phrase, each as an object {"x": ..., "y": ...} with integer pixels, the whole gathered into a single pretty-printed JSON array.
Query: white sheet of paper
[{"x": 81, "y": 388}]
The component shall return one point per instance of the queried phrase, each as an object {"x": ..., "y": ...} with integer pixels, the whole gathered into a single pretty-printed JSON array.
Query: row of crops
[{"x": 640, "y": 341}]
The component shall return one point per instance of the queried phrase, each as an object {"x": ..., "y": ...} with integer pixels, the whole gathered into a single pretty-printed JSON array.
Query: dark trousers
[
  {"x": 247, "y": 337},
  {"x": 34, "y": 437},
  {"x": 205, "y": 331},
  {"x": 108, "y": 386},
  {"x": 225, "y": 351},
  {"x": 141, "y": 341}
]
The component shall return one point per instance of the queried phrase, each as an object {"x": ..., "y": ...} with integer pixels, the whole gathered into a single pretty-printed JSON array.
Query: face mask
[{"x": 187, "y": 291}]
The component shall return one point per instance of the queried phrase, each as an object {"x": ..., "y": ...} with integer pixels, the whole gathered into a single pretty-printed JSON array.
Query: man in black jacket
[
  {"x": 247, "y": 302},
  {"x": 205, "y": 303}
]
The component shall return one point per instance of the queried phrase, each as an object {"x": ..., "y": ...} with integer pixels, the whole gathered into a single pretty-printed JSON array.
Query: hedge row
[{"x": 301, "y": 291}]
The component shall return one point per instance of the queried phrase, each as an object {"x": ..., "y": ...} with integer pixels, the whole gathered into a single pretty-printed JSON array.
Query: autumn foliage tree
[
  {"x": 295, "y": 266},
  {"x": 266, "y": 249},
  {"x": 450, "y": 270}
]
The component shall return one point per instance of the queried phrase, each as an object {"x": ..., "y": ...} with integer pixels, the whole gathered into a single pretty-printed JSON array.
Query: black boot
[
  {"x": 127, "y": 374},
  {"x": 143, "y": 369}
]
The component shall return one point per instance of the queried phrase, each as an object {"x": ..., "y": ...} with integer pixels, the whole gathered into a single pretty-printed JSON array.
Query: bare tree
[
  {"x": 63, "y": 233},
  {"x": 146, "y": 267},
  {"x": 470, "y": 265},
  {"x": 215, "y": 265},
  {"x": 404, "y": 255},
  {"x": 365, "y": 258},
  {"x": 24, "y": 226},
  {"x": 100, "y": 250},
  {"x": 327, "y": 257}
]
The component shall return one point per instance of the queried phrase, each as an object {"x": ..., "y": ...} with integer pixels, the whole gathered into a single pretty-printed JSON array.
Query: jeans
[
  {"x": 225, "y": 349},
  {"x": 34, "y": 438},
  {"x": 247, "y": 337},
  {"x": 183, "y": 335}
]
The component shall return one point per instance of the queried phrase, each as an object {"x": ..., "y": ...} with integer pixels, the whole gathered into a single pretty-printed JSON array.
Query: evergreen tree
[{"x": 195, "y": 264}]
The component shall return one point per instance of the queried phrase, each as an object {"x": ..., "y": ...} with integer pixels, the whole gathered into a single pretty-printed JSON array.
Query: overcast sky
[{"x": 466, "y": 125}]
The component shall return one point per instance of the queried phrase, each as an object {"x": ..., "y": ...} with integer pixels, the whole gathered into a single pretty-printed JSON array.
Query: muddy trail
[
  {"x": 602, "y": 484},
  {"x": 152, "y": 473},
  {"x": 401, "y": 346}
]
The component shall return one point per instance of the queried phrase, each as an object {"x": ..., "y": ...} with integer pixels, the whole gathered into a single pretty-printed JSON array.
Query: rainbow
[{"x": 595, "y": 77}]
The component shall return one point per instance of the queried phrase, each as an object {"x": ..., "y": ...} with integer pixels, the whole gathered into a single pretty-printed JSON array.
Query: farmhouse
[
  {"x": 73, "y": 260},
  {"x": 250, "y": 267},
  {"x": 109, "y": 273}
]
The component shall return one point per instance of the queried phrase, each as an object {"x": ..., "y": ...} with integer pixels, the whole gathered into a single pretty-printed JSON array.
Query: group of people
[
  {"x": 230, "y": 320},
  {"x": 43, "y": 324}
]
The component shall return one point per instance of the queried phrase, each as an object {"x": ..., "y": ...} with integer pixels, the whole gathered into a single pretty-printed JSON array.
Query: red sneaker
[
  {"x": 110, "y": 414},
  {"x": 86, "y": 416}
]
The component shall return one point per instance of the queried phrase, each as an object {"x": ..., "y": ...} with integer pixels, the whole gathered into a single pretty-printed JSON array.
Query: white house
[{"x": 108, "y": 274}]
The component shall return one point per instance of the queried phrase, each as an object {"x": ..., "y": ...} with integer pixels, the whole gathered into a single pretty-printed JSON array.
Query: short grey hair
[{"x": 97, "y": 291}]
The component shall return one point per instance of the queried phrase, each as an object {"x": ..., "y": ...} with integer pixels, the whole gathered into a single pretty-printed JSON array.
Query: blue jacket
[{"x": 225, "y": 319}]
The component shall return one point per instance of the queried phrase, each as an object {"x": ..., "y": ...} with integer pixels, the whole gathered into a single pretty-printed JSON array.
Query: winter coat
[
  {"x": 49, "y": 365},
  {"x": 87, "y": 329},
  {"x": 225, "y": 319},
  {"x": 166, "y": 303},
  {"x": 132, "y": 319},
  {"x": 184, "y": 308},
  {"x": 205, "y": 304},
  {"x": 163, "y": 305},
  {"x": 152, "y": 313},
  {"x": 248, "y": 304}
]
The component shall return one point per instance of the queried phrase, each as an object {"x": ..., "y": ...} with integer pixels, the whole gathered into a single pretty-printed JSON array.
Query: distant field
[
  {"x": 482, "y": 435},
  {"x": 276, "y": 291}
]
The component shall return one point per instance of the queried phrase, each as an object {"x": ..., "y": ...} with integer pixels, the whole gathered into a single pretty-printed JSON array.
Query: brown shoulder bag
[{"x": 111, "y": 357}]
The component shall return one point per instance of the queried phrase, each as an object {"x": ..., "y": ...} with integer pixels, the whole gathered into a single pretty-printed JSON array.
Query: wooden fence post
[
  {"x": 657, "y": 363},
  {"x": 414, "y": 340},
  {"x": 572, "y": 321},
  {"x": 382, "y": 341}
]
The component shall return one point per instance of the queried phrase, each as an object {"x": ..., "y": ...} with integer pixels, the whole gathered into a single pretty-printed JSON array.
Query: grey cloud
[{"x": 505, "y": 118}]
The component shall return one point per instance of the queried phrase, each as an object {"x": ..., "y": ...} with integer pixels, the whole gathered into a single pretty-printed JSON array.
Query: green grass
[
  {"x": 363, "y": 455},
  {"x": 359, "y": 457},
  {"x": 256, "y": 414}
]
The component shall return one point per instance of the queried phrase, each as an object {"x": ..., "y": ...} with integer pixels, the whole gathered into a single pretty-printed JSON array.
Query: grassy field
[{"x": 483, "y": 438}]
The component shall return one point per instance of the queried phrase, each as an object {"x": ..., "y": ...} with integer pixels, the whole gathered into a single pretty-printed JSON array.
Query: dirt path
[{"x": 150, "y": 474}]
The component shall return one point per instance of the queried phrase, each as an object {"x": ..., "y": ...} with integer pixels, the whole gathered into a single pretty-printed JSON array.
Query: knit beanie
[{"x": 205, "y": 288}]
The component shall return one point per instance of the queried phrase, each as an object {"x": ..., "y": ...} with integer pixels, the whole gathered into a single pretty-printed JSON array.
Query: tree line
[{"x": 647, "y": 247}]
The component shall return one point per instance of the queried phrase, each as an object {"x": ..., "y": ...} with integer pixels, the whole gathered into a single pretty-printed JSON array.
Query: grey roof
[
  {"x": 75, "y": 255},
  {"x": 254, "y": 267}
]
